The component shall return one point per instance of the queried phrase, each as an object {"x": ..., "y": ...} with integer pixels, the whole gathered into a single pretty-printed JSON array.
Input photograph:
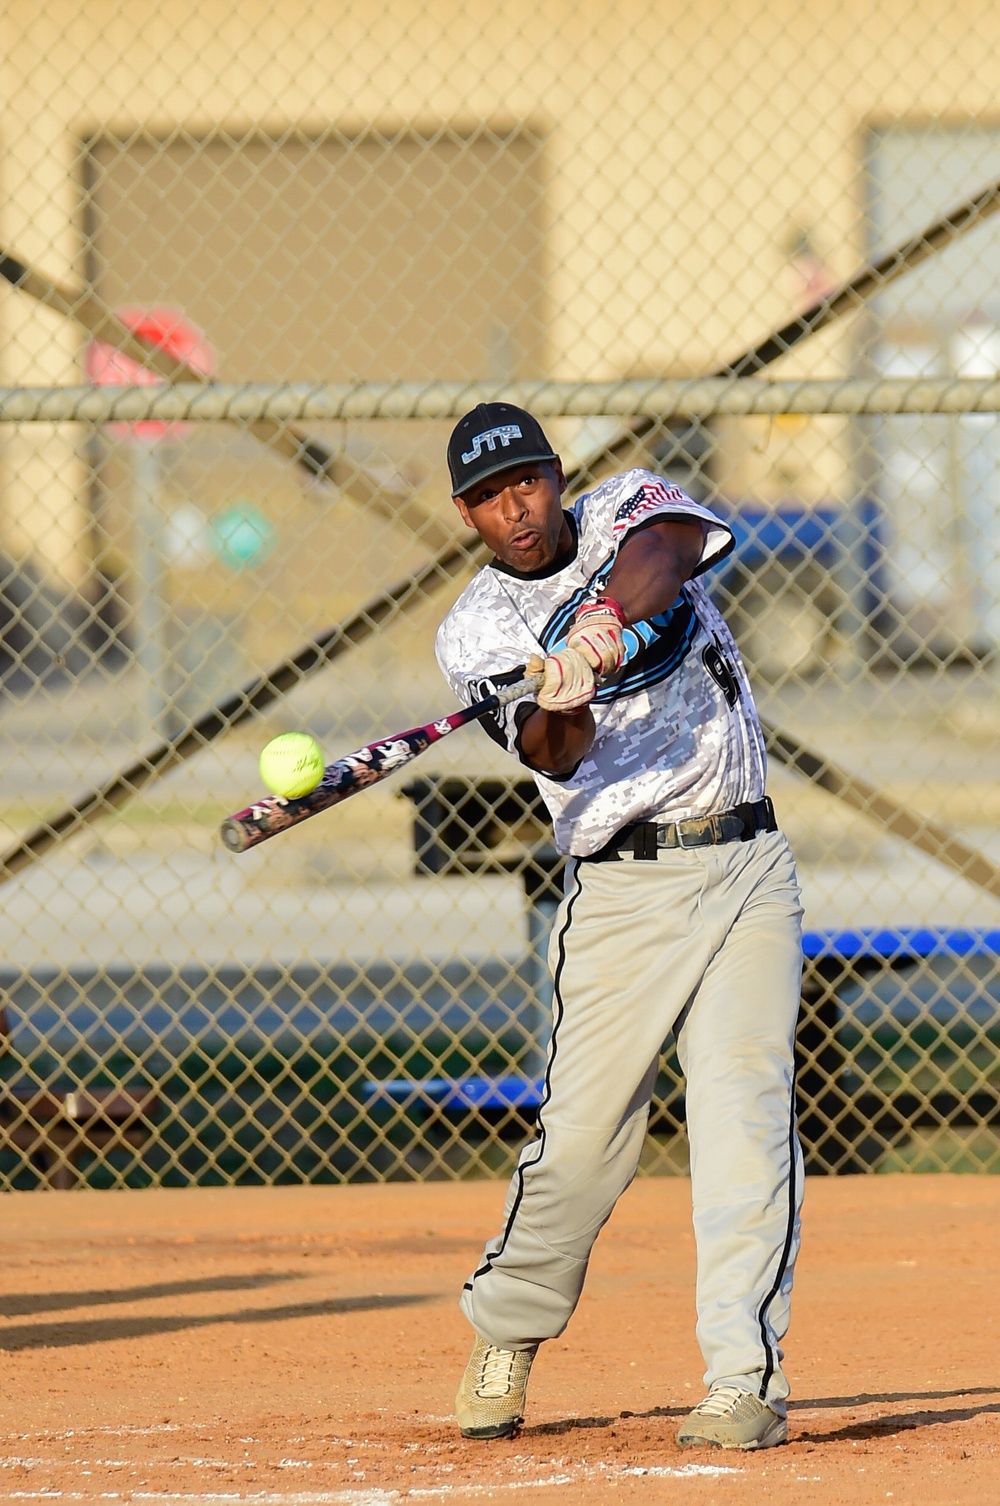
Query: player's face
[{"x": 518, "y": 513}]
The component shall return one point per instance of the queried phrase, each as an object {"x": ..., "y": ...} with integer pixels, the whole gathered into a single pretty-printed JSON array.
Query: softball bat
[{"x": 364, "y": 767}]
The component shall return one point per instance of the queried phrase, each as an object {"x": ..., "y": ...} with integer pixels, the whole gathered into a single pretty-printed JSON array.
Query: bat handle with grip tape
[{"x": 356, "y": 771}]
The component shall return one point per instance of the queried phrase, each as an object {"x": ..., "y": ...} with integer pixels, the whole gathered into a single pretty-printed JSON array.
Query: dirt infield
[{"x": 302, "y": 1345}]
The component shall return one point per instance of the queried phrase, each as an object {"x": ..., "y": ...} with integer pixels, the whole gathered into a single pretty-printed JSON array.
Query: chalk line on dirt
[{"x": 371, "y": 1495}]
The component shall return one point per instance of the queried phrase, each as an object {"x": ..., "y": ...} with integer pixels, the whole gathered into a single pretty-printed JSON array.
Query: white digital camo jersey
[{"x": 677, "y": 731}]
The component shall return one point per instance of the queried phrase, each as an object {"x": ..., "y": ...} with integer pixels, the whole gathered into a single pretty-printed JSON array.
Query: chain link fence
[{"x": 253, "y": 264}]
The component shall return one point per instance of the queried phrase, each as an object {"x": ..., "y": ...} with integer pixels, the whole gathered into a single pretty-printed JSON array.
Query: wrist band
[{"x": 602, "y": 604}]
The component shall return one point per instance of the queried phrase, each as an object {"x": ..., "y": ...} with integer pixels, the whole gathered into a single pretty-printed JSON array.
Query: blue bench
[{"x": 845, "y": 978}]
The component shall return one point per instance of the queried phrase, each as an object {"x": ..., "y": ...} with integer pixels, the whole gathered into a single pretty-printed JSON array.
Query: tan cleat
[
  {"x": 731, "y": 1418},
  {"x": 490, "y": 1400}
]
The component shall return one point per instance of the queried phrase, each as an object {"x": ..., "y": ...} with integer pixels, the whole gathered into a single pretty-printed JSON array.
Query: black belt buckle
[{"x": 698, "y": 832}]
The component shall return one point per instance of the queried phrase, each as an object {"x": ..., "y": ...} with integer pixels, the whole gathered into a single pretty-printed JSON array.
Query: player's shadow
[
  {"x": 23, "y": 1304},
  {"x": 103, "y": 1330},
  {"x": 571, "y": 1424},
  {"x": 866, "y": 1398},
  {"x": 899, "y": 1422},
  {"x": 876, "y": 1427}
]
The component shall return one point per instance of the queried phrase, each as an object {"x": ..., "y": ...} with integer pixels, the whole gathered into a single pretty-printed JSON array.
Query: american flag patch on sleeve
[{"x": 651, "y": 497}]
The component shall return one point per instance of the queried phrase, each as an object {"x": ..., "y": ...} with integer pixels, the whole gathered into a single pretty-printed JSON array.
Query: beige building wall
[
  {"x": 685, "y": 145},
  {"x": 41, "y": 472}
]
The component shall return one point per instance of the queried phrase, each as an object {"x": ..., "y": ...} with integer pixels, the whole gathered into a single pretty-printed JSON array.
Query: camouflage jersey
[{"x": 677, "y": 730}]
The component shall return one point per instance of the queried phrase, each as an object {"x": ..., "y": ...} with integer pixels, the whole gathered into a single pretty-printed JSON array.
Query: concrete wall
[{"x": 686, "y": 147}]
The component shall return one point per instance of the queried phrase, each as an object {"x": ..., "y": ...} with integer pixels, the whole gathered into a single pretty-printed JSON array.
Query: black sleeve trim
[
  {"x": 716, "y": 558},
  {"x": 493, "y": 732},
  {"x": 493, "y": 724},
  {"x": 664, "y": 517},
  {"x": 687, "y": 517}
]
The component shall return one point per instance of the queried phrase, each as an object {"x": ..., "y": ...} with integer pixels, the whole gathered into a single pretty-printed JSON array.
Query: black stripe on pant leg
[
  {"x": 547, "y": 1086},
  {"x": 772, "y": 1358}
]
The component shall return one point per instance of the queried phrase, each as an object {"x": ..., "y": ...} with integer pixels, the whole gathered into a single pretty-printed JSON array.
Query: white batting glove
[
  {"x": 597, "y": 634},
  {"x": 569, "y": 684}
]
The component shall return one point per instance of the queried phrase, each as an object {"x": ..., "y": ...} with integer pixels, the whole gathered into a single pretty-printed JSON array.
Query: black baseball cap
[{"x": 492, "y": 438}]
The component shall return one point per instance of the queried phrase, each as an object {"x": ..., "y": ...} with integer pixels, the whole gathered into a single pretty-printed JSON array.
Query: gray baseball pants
[{"x": 706, "y": 943}]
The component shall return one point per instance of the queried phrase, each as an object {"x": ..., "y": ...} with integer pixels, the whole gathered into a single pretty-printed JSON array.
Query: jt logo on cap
[{"x": 505, "y": 433}]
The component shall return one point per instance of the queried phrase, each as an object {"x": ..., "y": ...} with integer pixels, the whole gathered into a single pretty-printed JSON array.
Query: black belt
[{"x": 647, "y": 838}]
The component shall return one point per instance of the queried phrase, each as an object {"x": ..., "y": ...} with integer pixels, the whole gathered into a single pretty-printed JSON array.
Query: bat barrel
[
  {"x": 236, "y": 835},
  {"x": 369, "y": 765},
  {"x": 247, "y": 828}
]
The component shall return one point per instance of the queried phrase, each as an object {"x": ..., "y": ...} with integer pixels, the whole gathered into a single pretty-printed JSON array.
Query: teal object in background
[{"x": 242, "y": 536}]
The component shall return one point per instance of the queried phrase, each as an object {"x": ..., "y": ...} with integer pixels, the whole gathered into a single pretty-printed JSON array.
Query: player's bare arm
[
  {"x": 554, "y": 742},
  {"x": 646, "y": 579},
  {"x": 653, "y": 564}
]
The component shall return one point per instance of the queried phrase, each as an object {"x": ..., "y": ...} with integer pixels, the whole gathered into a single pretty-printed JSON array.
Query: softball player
[{"x": 681, "y": 914}]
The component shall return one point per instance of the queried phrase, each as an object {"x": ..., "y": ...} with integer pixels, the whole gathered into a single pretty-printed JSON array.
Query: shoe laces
[
  {"x": 720, "y": 1401},
  {"x": 496, "y": 1373}
]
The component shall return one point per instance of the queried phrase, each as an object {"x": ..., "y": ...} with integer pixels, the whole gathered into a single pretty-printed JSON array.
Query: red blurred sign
[{"x": 159, "y": 327}]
